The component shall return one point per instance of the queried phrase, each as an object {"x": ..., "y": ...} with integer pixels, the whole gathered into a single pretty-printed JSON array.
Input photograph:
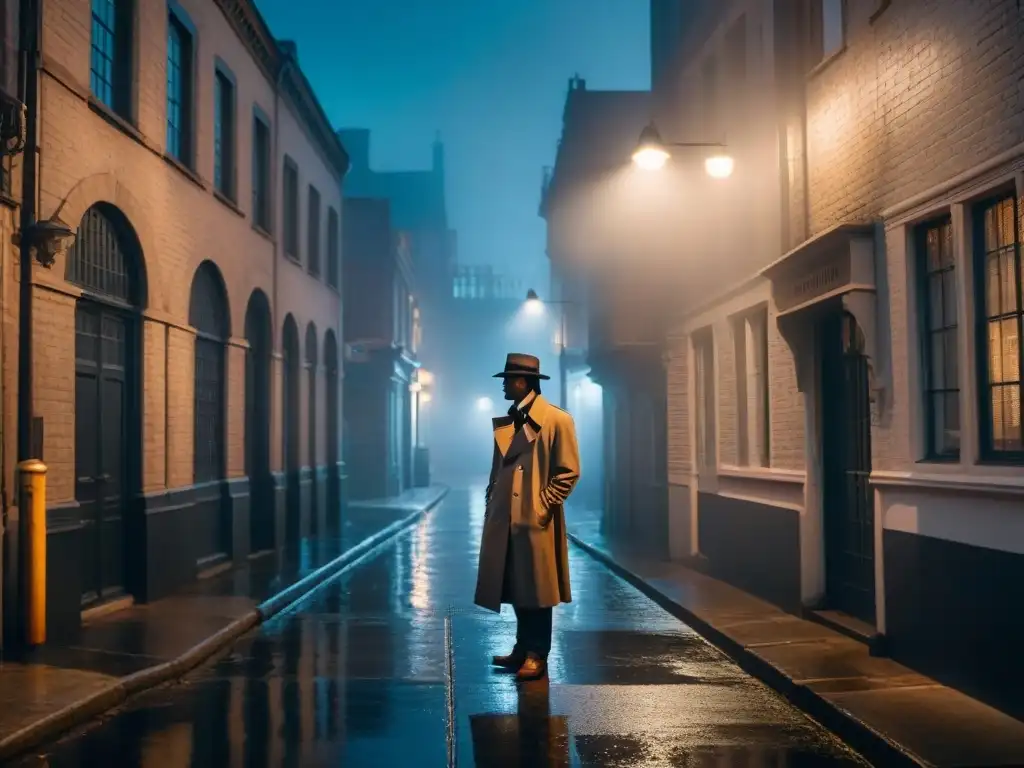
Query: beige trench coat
[{"x": 532, "y": 474}]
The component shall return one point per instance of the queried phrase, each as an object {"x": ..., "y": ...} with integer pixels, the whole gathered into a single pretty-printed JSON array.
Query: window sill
[
  {"x": 7, "y": 201},
  {"x": 263, "y": 232},
  {"x": 293, "y": 259},
  {"x": 314, "y": 274},
  {"x": 825, "y": 63},
  {"x": 184, "y": 170},
  {"x": 334, "y": 288},
  {"x": 955, "y": 482},
  {"x": 762, "y": 473},
  {"x": 116, "y": 120},
  {"x": 229, "y": 203}
]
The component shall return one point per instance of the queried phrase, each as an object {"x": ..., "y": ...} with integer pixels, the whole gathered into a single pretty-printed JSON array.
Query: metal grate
[{"x": 99, "y": 260}]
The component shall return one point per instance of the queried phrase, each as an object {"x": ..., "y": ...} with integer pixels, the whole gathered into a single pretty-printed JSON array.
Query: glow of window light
[
  {"x": 484, "y": 404},
  {"x": 719, "y": 166},
  {"x": 650, "y": 158}
]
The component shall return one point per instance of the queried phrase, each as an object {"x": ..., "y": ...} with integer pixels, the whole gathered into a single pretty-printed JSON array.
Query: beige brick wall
[
  {"x": 924, "y": 94},
  {"x": 928, "y": 91},
  {"x": 86, "y": 158}
]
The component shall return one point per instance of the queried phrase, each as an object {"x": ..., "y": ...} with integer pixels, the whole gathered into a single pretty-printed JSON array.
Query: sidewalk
[
  {"x": 891, "y": 714},
  {"x": 143, "y": 646}
]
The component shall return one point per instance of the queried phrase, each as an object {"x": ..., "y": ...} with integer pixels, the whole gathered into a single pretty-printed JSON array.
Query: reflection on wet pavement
[{"x": 356, "y": 675}]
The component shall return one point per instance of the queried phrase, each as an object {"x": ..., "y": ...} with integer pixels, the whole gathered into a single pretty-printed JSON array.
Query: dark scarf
[{"x": 521, "y": 416}]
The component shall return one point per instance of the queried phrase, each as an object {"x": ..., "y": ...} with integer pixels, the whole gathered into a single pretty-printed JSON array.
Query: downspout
[{"x": 30, "y": 32}]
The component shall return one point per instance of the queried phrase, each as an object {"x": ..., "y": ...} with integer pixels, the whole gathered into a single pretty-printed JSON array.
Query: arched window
[
  {"x": 290, "y": 393},
  {"x": 331, "y": 399},
  {"x": 208, "y": 314},
  {"x": 311, "y": 362},
  {"x": 104, "y": 257}
]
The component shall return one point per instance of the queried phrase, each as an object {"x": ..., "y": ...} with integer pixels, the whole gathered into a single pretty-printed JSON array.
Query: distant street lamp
[
  {"x": 534, "y": 306},
  {"x": 652, "y": 153}
]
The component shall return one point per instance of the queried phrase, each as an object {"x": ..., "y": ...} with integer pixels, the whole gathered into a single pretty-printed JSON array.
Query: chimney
[{"x": 290, "y": 49}]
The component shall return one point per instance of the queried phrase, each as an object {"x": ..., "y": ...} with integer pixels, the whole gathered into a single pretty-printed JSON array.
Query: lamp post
[
  {"x": 533, "y": 300},
  {"x": 652, "y": 153}
]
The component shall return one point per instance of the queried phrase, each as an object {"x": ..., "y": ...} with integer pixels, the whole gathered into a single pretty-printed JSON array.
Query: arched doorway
[
  {"x": 290, "y": 427},
  {"x": 208, "y": 314},
  {"x": 257, "y": 422},
  {"x": 331, "y": 427},
  {"x": 311, "y": 416},
  {"x": 106, "y": 263}
]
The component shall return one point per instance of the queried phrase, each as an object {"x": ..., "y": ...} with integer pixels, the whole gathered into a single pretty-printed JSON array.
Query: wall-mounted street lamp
[
  {"x": 652, "y": 153},
  {"x": 46, "y": 240},
  {"x": 534, "y": 306}
]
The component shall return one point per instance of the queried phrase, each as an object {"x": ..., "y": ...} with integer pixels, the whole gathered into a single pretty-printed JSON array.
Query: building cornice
[{"x": 253, "y": 31}]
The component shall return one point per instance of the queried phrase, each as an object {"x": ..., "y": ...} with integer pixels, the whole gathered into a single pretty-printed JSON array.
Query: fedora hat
[{"x": 518, "y": 364}]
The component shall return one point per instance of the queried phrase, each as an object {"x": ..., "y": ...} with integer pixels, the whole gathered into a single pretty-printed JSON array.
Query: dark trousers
[{"x": 533, "y": 631}]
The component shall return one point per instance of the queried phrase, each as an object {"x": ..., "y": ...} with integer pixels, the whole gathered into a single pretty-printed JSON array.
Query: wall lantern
[{"x": 46, "y": 240}]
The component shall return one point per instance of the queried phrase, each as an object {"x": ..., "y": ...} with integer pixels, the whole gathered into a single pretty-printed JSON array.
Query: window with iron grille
[
  {"x": 224, "y": 134},
  {"x": 333, "y": 257},
  {"x": 261, "y": 173},
  {"x": 110, "y": 60},
  {"x": 290, "y": 193},
  {"x": 940, "y": 348},
  {"x": 208, "y": 315},
  {"x": 313, "y": 231},
  {"x": 103, "y": 259},
  {"x": 997, "y": 249},
  {"x": 179, "y": 90}
]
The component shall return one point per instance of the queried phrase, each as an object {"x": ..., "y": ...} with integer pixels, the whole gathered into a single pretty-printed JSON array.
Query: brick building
[
  {"x": 843, "y": 336},
  {"x": 187, "y": 368},
  {"x": 382, "y": 333}
]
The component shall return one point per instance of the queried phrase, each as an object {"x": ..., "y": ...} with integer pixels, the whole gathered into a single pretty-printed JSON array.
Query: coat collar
[{"x": 511, "y": 443}]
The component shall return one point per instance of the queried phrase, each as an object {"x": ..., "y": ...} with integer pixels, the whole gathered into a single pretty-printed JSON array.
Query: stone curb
[
  {"x": 82, "y": 711},
  {"x": 871, "y": 744}
]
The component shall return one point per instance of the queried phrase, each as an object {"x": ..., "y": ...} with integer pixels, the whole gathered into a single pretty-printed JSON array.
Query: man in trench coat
[{"x": 524, "y": 553}]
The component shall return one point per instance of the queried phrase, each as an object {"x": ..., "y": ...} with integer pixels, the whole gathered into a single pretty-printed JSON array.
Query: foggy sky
[{"x": 490, "y": 75}]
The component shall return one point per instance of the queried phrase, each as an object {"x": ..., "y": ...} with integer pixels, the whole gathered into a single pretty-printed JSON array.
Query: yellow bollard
[{"x": 32, "y": 480}]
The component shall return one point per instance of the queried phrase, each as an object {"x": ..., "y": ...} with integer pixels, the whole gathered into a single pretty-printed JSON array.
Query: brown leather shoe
[
  {"x": 532, "y": 669},
  {"x": 513, "y": 660}
]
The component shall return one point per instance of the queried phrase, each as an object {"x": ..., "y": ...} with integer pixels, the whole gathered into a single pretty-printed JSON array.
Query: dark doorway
[
  {"x": 208, "y": 314},
  {"x": 311, "y": 416},
  {"x": 848, "y": 509},
  {"x": 331, "y": 427},
  {"x": 257, "y": 422},
  {"x": 106, "y": 262},
  {"x": 290, "y": 428}
]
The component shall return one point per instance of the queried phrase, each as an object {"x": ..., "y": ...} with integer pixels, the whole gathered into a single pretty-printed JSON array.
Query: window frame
[
  {"x": 987, "y": 453},
  {"x": 815, "y": 17},
  {"x": 186, "y": 154},
  {"x": 121, "y": 58},
  {"x": 262, "y": 215},
  {"x": 927, "y": 392},
  {"x": 705, "y": 401},
  {"x": 227, "y": 187},
  {"x": 748, "y": 422},
  {"x": 290, "y": 210},
  {"x": 313, "y": 226}
]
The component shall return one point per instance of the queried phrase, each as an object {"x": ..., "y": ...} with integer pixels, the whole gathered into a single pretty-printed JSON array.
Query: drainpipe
[{"x": 30, "y": 30}]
